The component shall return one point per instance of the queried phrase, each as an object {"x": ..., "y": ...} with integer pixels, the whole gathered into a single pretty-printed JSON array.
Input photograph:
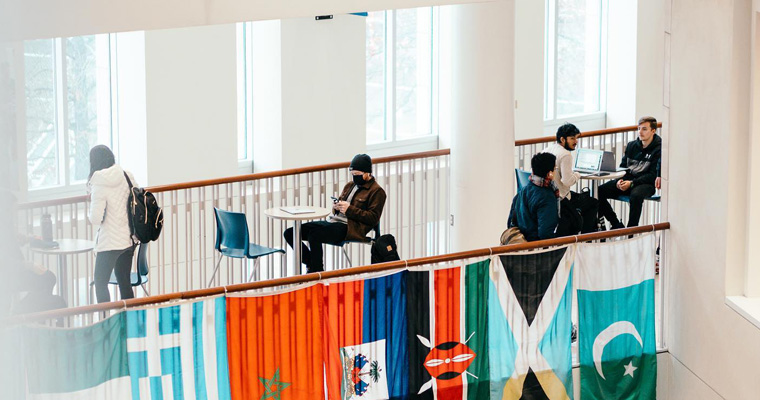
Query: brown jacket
[{"x": 365, "y": 210}]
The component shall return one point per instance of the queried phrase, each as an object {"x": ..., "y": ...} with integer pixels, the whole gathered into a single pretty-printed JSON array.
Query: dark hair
[
  {"x": 652, "y": 122},
  {"x": 566, "y": 131},
  {"x": 101, "y": 157},
  {"x": 542, "y": 164}
]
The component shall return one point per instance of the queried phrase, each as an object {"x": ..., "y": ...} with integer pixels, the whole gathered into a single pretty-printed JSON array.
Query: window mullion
[
  {"x": 391, "y": 68},
  {"x": 555, "y": 56},
  {"x": 114, "y": 95},
  {"x": 62, "y": 111}
]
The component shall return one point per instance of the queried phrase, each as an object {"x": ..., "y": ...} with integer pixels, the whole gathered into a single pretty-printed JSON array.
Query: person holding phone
[{"x": 355, "y": 212}]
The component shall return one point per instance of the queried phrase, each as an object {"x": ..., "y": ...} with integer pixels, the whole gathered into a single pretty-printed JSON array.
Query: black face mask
[{"x": 358, "y": 179}]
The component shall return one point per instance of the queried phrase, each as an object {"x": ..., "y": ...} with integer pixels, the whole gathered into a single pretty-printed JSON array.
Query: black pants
[
  {"x": 609, "y": 190},
  {"x": 588, "y": 207},
  {"x": 317, "y": 233},
  {"x": 120, "y": 263}
]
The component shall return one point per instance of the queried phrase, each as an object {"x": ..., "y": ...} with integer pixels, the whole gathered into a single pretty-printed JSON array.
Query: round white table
[
  {"x": 595, "y": 179},
  {"x": 316, "y": 213},
  {"x": 65, "y": 248}
]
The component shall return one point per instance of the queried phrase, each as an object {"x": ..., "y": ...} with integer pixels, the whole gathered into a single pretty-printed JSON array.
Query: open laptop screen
[{"x": 588, "y": 160}]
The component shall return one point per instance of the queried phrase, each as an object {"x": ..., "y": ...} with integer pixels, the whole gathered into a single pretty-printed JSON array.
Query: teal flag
[
  {"x": 616, "y": 319},
  {"x": 78, "y": 363}
]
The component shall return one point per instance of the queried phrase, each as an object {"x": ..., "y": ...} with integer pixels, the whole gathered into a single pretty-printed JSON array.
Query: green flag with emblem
[{"x": 616, "y": 330}]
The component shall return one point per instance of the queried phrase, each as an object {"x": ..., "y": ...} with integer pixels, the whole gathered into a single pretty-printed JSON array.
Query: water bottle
[{"x": 46, "y": 223}]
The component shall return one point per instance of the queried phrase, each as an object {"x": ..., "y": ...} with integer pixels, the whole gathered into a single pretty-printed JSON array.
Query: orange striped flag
[{"x": 275, "y": 345}]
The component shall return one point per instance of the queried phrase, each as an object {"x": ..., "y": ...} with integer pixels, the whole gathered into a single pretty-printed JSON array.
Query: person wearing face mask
[{"x": 356, "y": 212}]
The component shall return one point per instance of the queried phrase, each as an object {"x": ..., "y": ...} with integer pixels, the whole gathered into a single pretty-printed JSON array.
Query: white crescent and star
[{"x": 614, "y": 330}]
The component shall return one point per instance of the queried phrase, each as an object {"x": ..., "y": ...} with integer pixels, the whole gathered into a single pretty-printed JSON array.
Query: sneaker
[{"x": 574, "y": 334}]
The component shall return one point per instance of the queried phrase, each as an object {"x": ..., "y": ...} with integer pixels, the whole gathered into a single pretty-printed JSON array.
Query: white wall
[
  {"x": 482, "y": 161},
  {"x": 621, "y": 63},
  {"x": 267, "y": 95},
  {"x": 35, "y": 19},
  {"x": 530, "y": 24},
  {"x": 131, "y": 104},
  {"x": 191, "y": 103},
  {"x": 708, "y": 127},
  {"x": 323, "y": 90}
]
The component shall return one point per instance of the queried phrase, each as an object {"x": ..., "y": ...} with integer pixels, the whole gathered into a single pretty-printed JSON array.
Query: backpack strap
[
  {"x": 131, "y": 227},
  {"x": 129, "y": 182}
]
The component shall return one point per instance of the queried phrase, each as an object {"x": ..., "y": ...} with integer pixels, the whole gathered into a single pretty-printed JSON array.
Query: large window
[
  {"x": 69, "y": 103},
  {"x": 574, "y": 52},
  {"x": 401, "y": 74}
]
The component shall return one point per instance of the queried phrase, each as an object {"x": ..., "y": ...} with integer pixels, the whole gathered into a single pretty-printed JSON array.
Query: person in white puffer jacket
[{"x": 114, "y": 248}]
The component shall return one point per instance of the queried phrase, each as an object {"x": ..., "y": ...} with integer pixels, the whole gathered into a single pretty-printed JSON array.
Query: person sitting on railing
[
  {"x": 641, "y": 158},
  {"x": 356, "y": 212},
  {"x": 114, "y": 248},
  {"x": 535, "y": 208},
  {"x": 565, "y": 177}
]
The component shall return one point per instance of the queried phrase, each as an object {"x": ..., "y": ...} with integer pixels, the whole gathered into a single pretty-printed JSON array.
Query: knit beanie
[{"x": 361, "y": 162}]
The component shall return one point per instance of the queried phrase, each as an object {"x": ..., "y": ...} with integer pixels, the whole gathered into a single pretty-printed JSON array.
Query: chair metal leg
[
  {"x": 347, "y": 257},
  {"x": 255, "y": 268},
  {"x": 213, "y": 274},
  {"x": 145, "y": 290}
]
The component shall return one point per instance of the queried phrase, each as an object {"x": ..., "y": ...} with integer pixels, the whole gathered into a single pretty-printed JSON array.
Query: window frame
[
  {"x": 392, "y": 144},
  {"x": 244, "y": 53},
  {"x": 589, "y": 120},
  {"x": 65, "y": 186}
]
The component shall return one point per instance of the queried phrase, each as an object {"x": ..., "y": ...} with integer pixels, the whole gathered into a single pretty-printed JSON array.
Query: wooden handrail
[
  {"x": 315, "y": 168},
  {"x": 247, "y": 177},
  {"x": 388, "y": 266},
  {"x": 600, "y": 132}
]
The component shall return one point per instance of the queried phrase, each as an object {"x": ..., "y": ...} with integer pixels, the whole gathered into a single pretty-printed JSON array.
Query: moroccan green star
[{"x": 273, "y": 386}]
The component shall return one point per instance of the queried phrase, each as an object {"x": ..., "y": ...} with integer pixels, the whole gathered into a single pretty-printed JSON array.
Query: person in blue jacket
[{"x": 535, "y": 208}]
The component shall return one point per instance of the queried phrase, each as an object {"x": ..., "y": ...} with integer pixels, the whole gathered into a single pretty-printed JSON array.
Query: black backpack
[
  {"x": 143, "y": 213},
  {"x": 384, "y": 249}
]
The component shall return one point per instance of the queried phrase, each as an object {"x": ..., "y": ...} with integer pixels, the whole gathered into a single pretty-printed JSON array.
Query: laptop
[
  {"x": 297, "y": 210},
  {"x": 595, "y": 162}
]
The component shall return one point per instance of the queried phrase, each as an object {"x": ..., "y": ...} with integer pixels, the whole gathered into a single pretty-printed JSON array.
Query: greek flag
[{"x": 179, "y": 352}]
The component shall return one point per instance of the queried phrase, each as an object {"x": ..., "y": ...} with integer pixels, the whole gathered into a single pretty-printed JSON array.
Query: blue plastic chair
[
  {"x": 232, "y": 240},
  {"x": 139, "y": 278},
  {"x": 368, "y": 240},
  {"x": 523, "y": 178}
]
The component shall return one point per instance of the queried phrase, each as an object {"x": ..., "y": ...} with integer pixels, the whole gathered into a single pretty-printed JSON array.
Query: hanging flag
[
  {"x": 448, "y": 328},
  {"x": 78, "y": 363},
  {"x": 179, "y": 352},
  {"x": 530, "y": 325},
  {"x": 616, "y": 319},
  {"x": 366, "y": 326},
  {"x": 12, "y": 362},
  {"x": 275, "y": 345}
]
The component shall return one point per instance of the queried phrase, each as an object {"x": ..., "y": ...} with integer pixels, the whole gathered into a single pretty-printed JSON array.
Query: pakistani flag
[
  {"x": 616, "y": 319},
  {"x": 79, "y": 363},
  {"x": 179, "y": 352},
  {"x": 529, "y": 323}
]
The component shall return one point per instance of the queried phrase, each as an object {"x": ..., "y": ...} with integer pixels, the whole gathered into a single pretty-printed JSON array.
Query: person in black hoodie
[{"x": 641, "y": 158}]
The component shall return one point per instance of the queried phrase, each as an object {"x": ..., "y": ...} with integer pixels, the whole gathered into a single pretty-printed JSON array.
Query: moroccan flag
[
  {"x": 531, "y": 316},
  {"x": 616, "y": 319},
  {"x": 276, "y": 345},
  {"x": 448, "y": 332},
  {"x": 78, "y": 363},
  {"x": 179, "y": 352}
]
